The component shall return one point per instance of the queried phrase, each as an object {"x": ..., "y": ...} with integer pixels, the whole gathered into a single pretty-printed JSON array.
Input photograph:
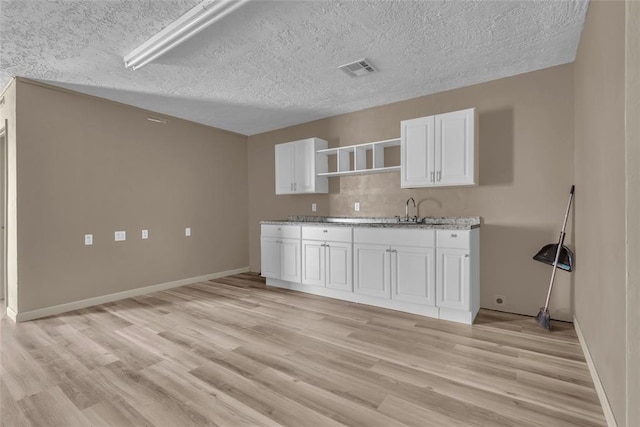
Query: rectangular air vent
[{"x": 358, "y": 68}]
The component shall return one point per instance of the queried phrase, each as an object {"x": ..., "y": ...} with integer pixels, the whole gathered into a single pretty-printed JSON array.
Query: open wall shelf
[{"x": 359, "y": 159}]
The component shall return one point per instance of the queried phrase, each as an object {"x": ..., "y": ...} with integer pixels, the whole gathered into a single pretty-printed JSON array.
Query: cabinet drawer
[
  {"x": 395, "y": 236},
  {"x": 335, "y": 234},
  {"x": 283, "y": 231},
  {"x": 455, "y": 239}
]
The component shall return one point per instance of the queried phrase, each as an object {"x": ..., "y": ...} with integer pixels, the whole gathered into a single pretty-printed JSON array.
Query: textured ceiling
[{"x": 272, "y": 64}]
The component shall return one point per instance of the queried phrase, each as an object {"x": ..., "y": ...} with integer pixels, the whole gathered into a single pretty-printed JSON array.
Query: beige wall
[
  {"x": 526, "y": 169},
  {"x": 632, "y": 72},
  {"x": 8, "y": 116},
  {"x": 600, "y": 195},
  {"x": 87, "y": 165}
]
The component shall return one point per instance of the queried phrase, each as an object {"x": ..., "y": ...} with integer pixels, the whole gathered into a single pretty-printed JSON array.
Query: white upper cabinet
[
  {"x": 417, "y": 148},
  {"x": 440, "y": 150},
  {"x": 297, "y": 166}
]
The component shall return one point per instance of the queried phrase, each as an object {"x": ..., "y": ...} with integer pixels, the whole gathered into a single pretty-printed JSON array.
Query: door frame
[{"x": 4, "y": 166}]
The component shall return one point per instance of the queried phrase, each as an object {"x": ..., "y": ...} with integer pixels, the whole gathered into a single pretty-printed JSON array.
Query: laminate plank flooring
[{"x": 232, "y": 352}]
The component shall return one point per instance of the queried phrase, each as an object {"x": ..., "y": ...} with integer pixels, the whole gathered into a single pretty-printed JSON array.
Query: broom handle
[{"x": 560, "y": 243}]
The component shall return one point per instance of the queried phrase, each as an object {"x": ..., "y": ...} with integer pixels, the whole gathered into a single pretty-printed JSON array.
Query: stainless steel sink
[{"x": 417, "y": 221}]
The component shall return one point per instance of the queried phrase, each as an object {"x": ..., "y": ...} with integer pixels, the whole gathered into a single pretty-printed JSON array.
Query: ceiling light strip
[{"x": 185, "y": 27}]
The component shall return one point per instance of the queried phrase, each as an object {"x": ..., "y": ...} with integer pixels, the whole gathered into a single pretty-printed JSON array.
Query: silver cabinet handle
[
  {"x": 325, "y": 231},
  {"x": 439, "y": 176},
  {"x": 466, "y": 255},
  {"x": 454, "y": 235},
  {"x": 432, "y": 176}
]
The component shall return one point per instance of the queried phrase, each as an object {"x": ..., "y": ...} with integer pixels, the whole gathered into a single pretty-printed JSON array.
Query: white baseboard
[
  {"x": 76, "y": 305},
  {"x": 604, "y": 402}
]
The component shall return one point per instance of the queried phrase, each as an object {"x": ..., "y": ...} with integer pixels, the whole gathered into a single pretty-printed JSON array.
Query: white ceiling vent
[{"x": 357, "y": 68}]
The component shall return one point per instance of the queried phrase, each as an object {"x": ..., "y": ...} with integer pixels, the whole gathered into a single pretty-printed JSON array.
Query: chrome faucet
[{"x": 406, "y": 209}]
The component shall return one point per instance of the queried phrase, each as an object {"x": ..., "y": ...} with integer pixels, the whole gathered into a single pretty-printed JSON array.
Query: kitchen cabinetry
[
  {"x": 327, "y": 257},
  {"x": 372, "y": 270},
  {"x": 396, "y": 264},
  {"x": 440, "y": 150},
  {"x": 280, "y": 249},
  {"x": 352, "y": 159},
  {"x": 417, "y": 270},
  {"x": 458, "y": 274},
  {"x": 297, "y": 166}
]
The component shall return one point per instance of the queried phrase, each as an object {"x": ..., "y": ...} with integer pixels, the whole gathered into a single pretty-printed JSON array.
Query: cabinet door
[
  {"x": 285, "y": 168},
  {"x": 339, "y": 261},
  {"x": 313, "y": 262},
  {"x": 290, "y": 260},
  {"x": 371, "y": 270},
  {"x": 454, "y": 145},
  {"x": 453, "y": 281},
  {"x": 413, "y": 274},
  {"x": 417, "y": 152},
  {"x": 305, "y": 167},
  {"x": 270, "y": 257}
]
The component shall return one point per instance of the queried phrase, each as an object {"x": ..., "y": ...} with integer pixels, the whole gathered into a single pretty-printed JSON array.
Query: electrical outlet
[
  {"x": 499, "y": 300},
  {"x": 314, "y": 207},
  {"x": 120, "y": 236},
  {"x": 88, "y": 239},
  {"x": 187, "y": 231},
  {"x": 145, "y": 234},
  {"x": 356, "y": 206}
]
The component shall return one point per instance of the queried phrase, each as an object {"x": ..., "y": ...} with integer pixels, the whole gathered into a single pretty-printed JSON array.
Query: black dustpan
[{"x": 547, "y": 255}]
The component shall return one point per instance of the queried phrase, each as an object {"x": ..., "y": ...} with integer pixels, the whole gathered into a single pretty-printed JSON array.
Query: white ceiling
[{"x": 272, "y": 64}]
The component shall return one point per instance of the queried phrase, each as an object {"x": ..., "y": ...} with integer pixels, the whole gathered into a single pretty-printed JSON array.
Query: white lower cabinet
[
  {"x": 401, "y": 273},
  {"x": 290, "y": 260},
  {"x": 413, "y": 275},
  {"x": 458, "y": 274},
  {"x": 339, "y": 262},
  {"x": 396, "y": 264},
  {"x": 430, "y": 272},
  {"x": 270, "y": 257},
  {"x": 453, "y": 278},
  {"x": 372, "y": 270},
  {"x": 280, "y": 252},
  {"x": 327, "y": 257}
]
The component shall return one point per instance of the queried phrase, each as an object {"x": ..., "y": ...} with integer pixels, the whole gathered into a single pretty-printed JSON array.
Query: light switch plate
[
  {"x": 314, "y": 207},
  {"x": 88, "y": 239},
  {"x": 120, "y": 236},
  {"x": 145, "y": 234},
  {"x": 187, "y": 231},
  {"x": 356, "y": 206}
]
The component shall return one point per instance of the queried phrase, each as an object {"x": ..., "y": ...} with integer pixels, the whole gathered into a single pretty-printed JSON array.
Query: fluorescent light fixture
[{"x": 185, "y": 27}]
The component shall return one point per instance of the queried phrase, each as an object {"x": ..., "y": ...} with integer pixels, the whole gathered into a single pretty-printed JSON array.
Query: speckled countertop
[{"x": 434, "y": 223}]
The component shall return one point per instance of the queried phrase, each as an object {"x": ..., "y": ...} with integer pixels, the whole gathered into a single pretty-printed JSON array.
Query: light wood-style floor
[{"x": 232, "y": 352}]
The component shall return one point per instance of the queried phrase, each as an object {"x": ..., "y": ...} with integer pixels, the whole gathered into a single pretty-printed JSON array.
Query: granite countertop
[{"x": 429, "y": 223}]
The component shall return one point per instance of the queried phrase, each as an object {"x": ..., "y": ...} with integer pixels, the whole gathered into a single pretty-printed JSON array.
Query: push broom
[{"x": 544, "y": 318}]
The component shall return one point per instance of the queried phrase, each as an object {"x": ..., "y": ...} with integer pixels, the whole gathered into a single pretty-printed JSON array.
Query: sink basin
[{"x": 403, "y": 222}]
